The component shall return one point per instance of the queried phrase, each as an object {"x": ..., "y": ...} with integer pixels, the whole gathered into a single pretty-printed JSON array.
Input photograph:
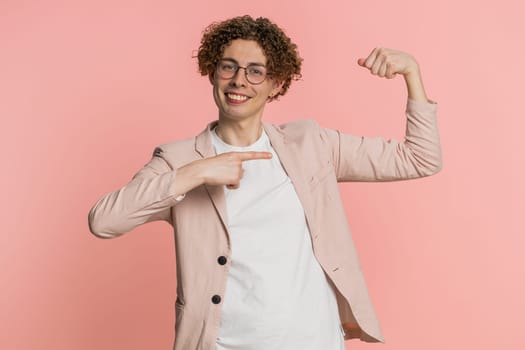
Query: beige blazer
[{"x": 315, "y": 159}]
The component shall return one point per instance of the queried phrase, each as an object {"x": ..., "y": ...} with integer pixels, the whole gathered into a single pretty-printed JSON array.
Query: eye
[
  {"x": 256, "y": 71},
  {"x": 228, "y": 67}
]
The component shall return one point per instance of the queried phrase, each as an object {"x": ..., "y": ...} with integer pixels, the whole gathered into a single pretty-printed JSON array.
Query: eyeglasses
[{"x": 254, "y": 73}]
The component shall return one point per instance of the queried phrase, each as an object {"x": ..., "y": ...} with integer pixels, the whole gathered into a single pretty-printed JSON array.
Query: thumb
[{"x": 361, "y": 61}]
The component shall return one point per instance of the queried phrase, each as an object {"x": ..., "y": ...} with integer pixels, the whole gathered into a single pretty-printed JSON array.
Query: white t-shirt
[{"x": 277, "y": 295}]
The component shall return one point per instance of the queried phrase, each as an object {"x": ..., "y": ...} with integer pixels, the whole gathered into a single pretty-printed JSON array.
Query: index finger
[{"x": 252, "y": 155}]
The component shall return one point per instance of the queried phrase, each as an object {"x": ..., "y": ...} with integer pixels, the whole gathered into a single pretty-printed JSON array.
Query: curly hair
[{"x": 283, "y": 60}]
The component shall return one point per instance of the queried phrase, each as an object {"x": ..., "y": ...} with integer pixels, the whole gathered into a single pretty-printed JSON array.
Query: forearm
[
  {"x": 414, "y": 83},
  {"x": 146, "y": 198}
]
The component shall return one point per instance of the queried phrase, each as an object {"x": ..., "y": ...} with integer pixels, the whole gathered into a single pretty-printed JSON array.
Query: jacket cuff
[{"x": 413, "y": 105}]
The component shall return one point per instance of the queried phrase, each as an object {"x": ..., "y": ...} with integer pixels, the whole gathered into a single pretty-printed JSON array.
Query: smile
[{"x": 236, "y": 98}]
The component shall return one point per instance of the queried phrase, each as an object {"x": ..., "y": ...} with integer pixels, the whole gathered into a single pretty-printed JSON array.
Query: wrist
[
  {"x": 414, "y": 84},
  {"x": 192, "y": 174},
  {"x": 412, "y": 73}
]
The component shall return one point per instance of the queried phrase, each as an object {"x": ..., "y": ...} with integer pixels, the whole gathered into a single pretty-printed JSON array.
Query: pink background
[{"x": 89, "y": 88}]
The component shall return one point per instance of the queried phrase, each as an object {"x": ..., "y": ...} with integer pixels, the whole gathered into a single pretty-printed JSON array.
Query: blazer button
[
  {"x": 222, "y": 260},
  {"x": 216, "y": 299}
]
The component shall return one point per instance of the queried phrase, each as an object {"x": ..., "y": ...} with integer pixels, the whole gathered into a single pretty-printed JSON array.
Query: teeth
[{"x": 237, "y": 97}]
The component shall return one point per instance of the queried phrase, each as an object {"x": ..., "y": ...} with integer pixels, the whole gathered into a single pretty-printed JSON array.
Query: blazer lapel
[
  {"x": 288, "y": 153},
  {"x": 204, "y": 147},
  {"x": 290, "y": 157}
]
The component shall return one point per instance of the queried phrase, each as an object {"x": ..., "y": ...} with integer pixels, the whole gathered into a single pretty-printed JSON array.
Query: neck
[{"x": 240, "y": 134}]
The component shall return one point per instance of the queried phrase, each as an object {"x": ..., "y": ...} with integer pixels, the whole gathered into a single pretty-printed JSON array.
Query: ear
[
  {"x": 211, "y": 78},
  {"x": 277, "y": 86}
]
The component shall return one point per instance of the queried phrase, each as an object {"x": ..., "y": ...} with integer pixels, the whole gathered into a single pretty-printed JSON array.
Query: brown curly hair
[{"x": 283, "y": 61}]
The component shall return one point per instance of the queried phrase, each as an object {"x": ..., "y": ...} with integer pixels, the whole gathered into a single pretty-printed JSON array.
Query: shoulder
[
  {"x": 307, "y": 135},
  {"x": 298, "y": 125},
  {"x": 177, "y": 145},
  {"x": 298, "y": 129},
  {"x": 307, "y": 130},
  {"x": 177, "y": 153}
]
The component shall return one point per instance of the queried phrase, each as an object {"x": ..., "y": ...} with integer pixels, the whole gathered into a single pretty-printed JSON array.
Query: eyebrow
[{"x": 237, "y": 63}]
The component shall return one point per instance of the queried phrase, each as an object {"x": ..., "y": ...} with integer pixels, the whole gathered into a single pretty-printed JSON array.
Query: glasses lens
[
  {"x": 256, "y": 74},
  {"x": 226, "y": 69}
]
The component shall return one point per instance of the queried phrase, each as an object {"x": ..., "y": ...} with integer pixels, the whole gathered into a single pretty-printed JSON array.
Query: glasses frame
[{"x": 237, "y": 67}]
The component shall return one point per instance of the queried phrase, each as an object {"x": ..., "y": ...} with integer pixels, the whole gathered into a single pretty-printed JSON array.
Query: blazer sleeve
[
  {"x": 147, "y": 197},
  {"x": 358, "y": 158}
]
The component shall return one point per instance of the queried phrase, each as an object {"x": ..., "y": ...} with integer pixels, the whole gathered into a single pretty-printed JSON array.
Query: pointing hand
[{"x": 226, "y": 169}]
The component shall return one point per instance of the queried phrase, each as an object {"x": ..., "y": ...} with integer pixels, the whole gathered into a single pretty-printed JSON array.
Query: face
[{"x": 237, "y": 98}]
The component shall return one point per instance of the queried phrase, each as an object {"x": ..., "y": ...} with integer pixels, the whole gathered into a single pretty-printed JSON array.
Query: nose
[{"x": 239, "y": 78}]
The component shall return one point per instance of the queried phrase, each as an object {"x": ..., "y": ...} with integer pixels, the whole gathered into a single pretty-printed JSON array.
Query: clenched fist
[{"x": 387, "y": 63}]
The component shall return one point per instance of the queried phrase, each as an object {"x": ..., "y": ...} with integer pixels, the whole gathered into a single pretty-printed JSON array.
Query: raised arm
[{"x": 378, "y": 159}]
